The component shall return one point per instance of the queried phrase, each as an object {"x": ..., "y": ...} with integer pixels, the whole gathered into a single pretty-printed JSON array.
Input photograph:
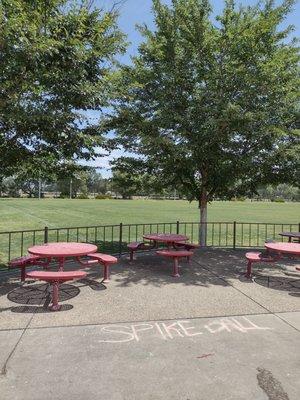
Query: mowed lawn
[{"x": 19, "y": 214}]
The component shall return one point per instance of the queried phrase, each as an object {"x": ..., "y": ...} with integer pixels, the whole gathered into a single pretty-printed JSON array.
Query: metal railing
[{"x": 113, "y": 239}]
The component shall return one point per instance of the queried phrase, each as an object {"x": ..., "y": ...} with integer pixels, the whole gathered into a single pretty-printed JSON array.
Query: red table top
[
  {"x": 292, "y": 248},
  {"x": 63, "y": 249},
  {"x": 166, "y": 237}
]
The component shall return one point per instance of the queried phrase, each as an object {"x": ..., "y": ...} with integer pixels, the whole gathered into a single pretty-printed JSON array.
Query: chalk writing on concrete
[
  {"x": 175, "y": 329},
  {"x": 232, "y": 324}
]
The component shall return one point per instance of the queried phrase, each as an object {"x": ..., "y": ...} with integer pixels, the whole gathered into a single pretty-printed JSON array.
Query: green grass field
[
  {"x": 27, "y": 214},
  {"x": 21, "y": 214}
]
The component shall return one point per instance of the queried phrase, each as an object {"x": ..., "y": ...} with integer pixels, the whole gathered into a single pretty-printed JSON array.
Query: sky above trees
[{"x": 134, "y": 12}]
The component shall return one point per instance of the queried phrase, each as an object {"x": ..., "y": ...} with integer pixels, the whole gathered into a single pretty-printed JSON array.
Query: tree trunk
[{"x": 203, "y": 218}]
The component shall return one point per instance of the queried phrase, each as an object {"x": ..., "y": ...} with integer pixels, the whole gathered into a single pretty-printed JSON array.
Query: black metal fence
[{"x": 113, "y": 239}]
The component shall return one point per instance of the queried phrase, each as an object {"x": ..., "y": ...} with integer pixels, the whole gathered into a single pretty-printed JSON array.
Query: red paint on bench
[
  {"x": 49, "y": 276},
  {"x": 106, "y": 260},
  {"x": 175, "y": 255},
  {"x": 254, "y": 257},
  {"x": 23, "y": 262},
  {"x": 135, "y": 246},
  {"x": 86, "y": 263},
  {"x": 187, "y": 246},
  {"x": 55, "y": 278}
]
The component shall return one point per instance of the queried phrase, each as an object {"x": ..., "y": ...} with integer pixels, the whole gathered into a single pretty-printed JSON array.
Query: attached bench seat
[
  {"x": 23, "y": 262},
  {"x": 187, "y": 246},
  {"x": 254, "y": 257},
  {"x": 135, "y": 246},
  {"x": 175, "y": 254},
  {"x": 55, "y": 278},
  {"x": 106, "y": 260}
]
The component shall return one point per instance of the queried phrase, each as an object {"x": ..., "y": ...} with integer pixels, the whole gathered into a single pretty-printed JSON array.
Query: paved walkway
[{"x": 209, "y": 334}]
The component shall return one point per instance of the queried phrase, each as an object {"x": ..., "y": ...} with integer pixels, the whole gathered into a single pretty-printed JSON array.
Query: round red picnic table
[
  {"x": 287, "y": 248},
  {"x": 168, "y": 238},
  {"x": 62, "y": 250}
]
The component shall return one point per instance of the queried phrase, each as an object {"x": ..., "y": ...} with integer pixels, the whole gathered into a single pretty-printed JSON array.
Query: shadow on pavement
[
  {"x": 38, "y": 310},
  {"x": 208, "y": 267},
  {"x": 38, "y": 294},
  {"x": 279, "y": 283}
]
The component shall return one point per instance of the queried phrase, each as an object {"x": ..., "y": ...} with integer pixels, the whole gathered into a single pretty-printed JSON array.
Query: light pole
[
  {"x": 71, "y": 188},
  {"x": 40, "y": 185}
]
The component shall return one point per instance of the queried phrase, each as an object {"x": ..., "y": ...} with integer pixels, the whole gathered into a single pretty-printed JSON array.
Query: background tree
[
  {"x": 72, "y": 180},
  {"x": 142, "y": 183},
  {"x": 2, "y": 185},
  {"x": 211, "y": 106},
  {"x": 9, "y": 187},
  {"x": 125, "y": 184},
  {"x": 56, "y": 63},
  {"x": 282, "y": 191},
  {"x": 31, "y": 177},
  {"x": 96, "y": 183},
  {"x": 287, "y": 192},
  {"x": 28, "y": 185}
]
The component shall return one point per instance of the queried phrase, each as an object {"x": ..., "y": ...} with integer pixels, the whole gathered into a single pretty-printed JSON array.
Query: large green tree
[
  {"x": 211, "y": 103},
  {"x": 56, "y": 62}
]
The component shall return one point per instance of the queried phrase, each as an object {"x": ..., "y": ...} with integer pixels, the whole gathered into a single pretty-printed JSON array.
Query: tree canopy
[
  {"x": 56, "y": 62},
  {"x": 209, "y": 104}
]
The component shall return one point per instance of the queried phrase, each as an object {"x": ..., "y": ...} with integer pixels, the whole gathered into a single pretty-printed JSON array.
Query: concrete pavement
[
  {"x": 254, "y": 357},
  {"x": 208, "y": 335}
]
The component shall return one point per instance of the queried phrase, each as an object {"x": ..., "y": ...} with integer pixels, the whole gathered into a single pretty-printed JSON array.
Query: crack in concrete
[
  {"x": 270, "y": 385},
  {"x": 3, "y": 370},
  {"x": 246, "y": 295}
]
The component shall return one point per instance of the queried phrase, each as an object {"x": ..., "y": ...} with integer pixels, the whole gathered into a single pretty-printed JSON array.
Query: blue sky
[{"x": 134, "y": 12}]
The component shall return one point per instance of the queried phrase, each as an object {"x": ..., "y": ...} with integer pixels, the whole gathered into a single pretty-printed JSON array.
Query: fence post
[
  {"x": 234, "y": 235},
  {"x": 177, "y": 227},
  {"x": 120, "y": 239},
  {"x": 46, "y": 234}
]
